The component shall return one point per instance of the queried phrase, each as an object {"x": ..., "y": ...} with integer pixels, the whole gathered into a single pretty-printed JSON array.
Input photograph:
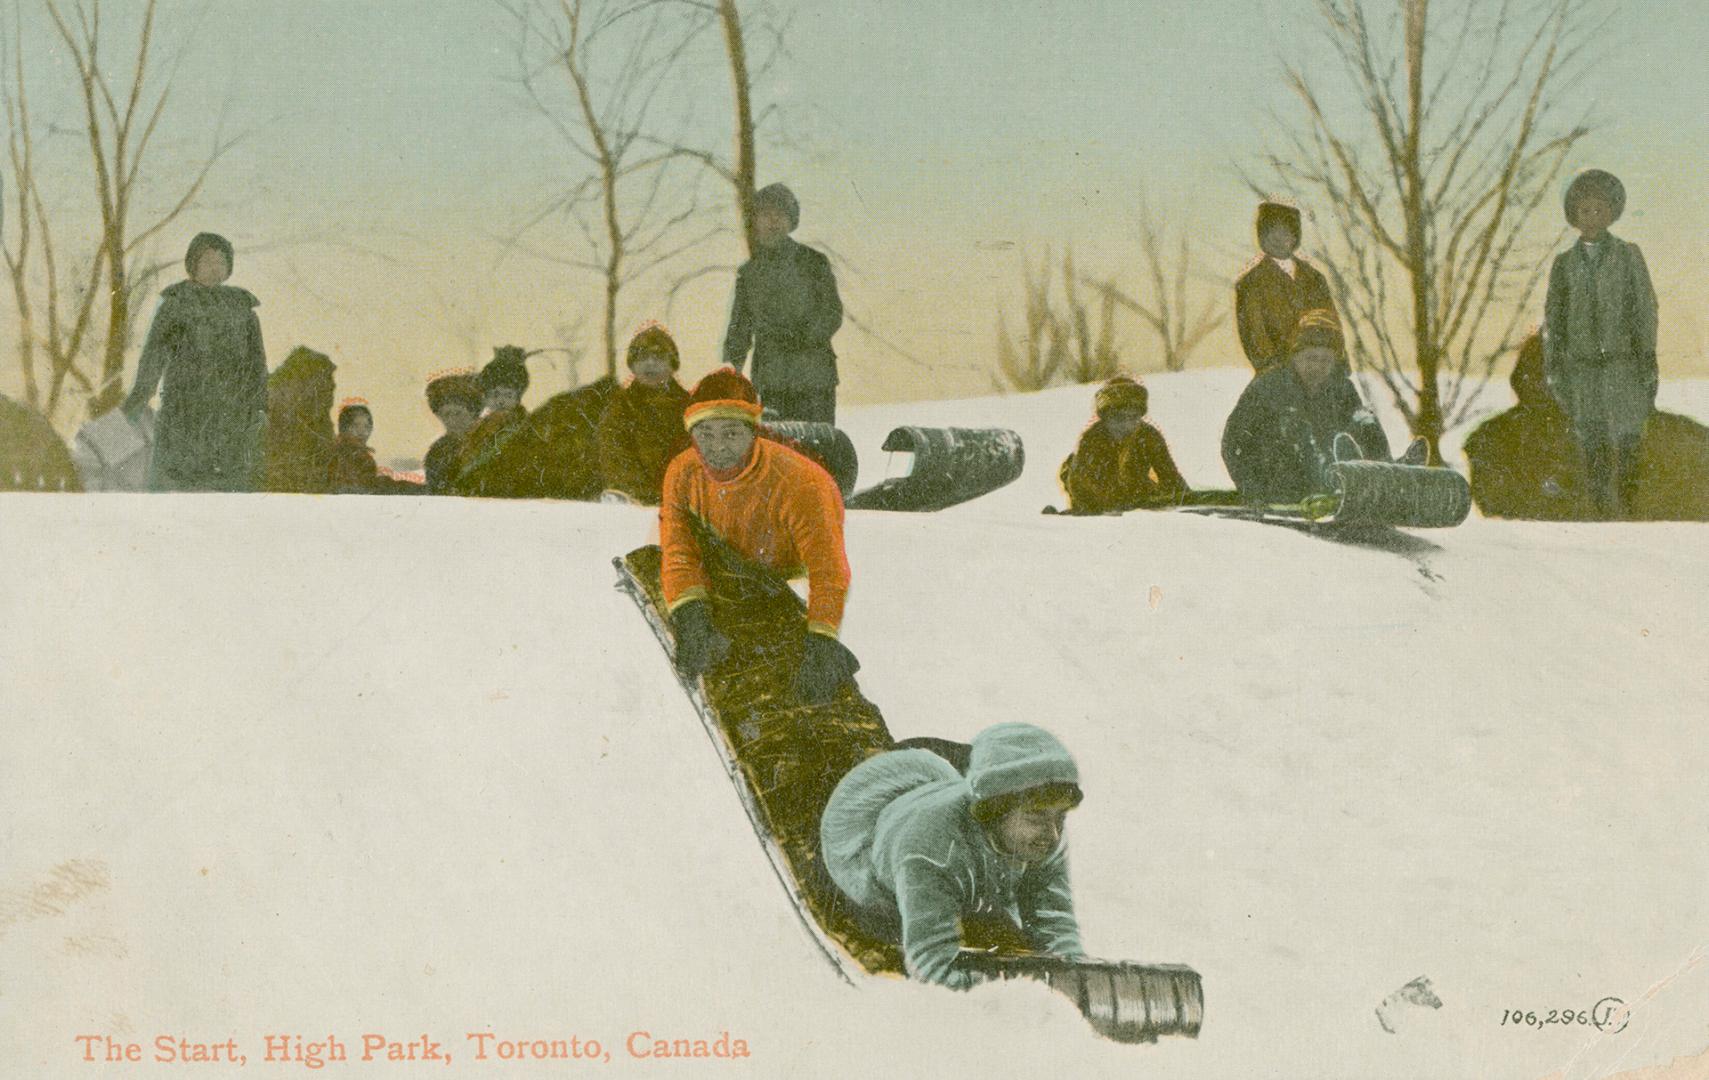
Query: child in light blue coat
[{"x": 923, "y": 851}]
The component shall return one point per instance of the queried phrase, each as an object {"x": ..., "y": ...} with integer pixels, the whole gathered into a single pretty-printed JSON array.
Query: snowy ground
[{"x": 281, "y": 765}]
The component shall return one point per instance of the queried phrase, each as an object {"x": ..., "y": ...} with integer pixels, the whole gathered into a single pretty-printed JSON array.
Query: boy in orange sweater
[{"x": 774, "y": 507}]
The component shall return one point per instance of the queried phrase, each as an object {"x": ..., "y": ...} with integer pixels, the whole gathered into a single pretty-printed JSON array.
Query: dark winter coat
[
  {"x": 204, "y": 352},
  {"x": 298, "y": 444},
  {"x": 785, "y": 310},
  {"x": 1600, "y": 337},
  {"x": 1277, "y": 443},
  {"x": 1268, "y": 304},
  {"x": 638, "y": 435},
  {"x": 353, "y": 471},
  {"x": 500, "y": 458},
  {"x": 1105, "y": 474},
  {"x": 441, "y": 460},
  {"x": 1526, "y": 464}
]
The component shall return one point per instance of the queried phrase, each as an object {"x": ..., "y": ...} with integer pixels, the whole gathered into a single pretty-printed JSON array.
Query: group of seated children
[{"x": 1299, "y": 414}]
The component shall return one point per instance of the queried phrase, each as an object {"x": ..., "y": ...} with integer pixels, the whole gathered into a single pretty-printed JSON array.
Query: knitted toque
[
  {"x": 1318, "y": 327},
  {"x": 653, "y": 340},
  {"x": 1121, "y": 392},
  {"x": 723, "y": 395}
]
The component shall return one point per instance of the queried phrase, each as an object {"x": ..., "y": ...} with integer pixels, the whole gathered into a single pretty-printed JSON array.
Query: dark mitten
[
  {"x": 826, "y": 664},
  {"x": 699, "y": 645}
]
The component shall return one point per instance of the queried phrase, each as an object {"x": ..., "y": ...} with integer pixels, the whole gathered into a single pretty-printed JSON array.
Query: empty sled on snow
[
  {"x": 1362, "y": 493},
  {"x": 784, "y": 758},
  {"x": 827, "y": 443},
  {"x": 951, "y": 466}
]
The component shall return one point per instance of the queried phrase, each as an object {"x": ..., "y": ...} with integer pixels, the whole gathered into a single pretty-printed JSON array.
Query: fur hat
[
  {"x": 1594, "y": 183},
  {"x": 726, "y": 394},
  {"x": 201, "y": 243},
  {"x": 1318, "y": 328},
  {"x": 1271, "y": 213},
  {"x": 454, "y": 388},
  {"x": 779, "y": 196},
  {"x": 653, "y": 340},
  {"x": 1014, "y": 757},
  {"x": 506, "y": 368},
  {"x": 1121, "y": 392}
]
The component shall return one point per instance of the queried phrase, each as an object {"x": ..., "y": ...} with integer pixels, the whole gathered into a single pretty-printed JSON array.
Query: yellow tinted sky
[{"x": 387, "y": 155}]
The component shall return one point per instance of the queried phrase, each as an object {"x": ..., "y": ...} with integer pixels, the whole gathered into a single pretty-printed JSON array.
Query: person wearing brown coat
[
  {"x": 1122, "y": 462},
  {"x": 501, "y": 454},
  {"x": 1276, "y": 289},
  {"x": 353, "y": 470},
  {"x": 297, "y": 450},
  {"x": 642, "y": 429},
  {"x": 456, "y": 399}
]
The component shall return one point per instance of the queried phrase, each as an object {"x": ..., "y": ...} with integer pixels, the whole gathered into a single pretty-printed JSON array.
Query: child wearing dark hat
[
  {"x": 926, "y": 854},
  {"x": 479, "y": 469},
  {"x": 456, "y": 399},
  {"x": 1600, "y": 340},
  {"x": 204, "y": 354},
  {"x": 1296, "y": 419},
  {"x": 1121, "y": 462},
  {"x": 641, "y": 429},
  {"x": 1276, "y": 289},
  {"x": 785, "y": 310}
]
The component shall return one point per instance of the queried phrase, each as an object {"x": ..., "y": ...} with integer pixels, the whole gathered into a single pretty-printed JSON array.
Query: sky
[{"x": 388, "y": 156}]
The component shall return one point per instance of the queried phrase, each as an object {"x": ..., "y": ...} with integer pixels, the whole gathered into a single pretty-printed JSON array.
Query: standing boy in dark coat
[
  {"x": 456, "y": 400},
  {"x": 1600, "y": 340},
  {"x": 1280, "y": 440},
  {"x": 785, "y": 310},
  {"x": 642, "y": 430},
  {"x": 1276, "y": 289},
  {"x": 1121, "y": 462},
  {"x": 205, "y": 344}
]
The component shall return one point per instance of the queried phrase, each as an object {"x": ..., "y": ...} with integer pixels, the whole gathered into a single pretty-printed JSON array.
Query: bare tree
[
  {"x": 1057, "y": 341},
  {"x": 120, "y": 127},
  {"x": 1179, "y": 326},
  {"x": 58, "y": 302},
  {"x": 35, "y": 273},
  {"x": 595, "y": 70},
  {"x": 1433, "y": 181}
]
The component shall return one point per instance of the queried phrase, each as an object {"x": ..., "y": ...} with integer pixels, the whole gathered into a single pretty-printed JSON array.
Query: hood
[
  {"x": 203, "y": 242},
  {"x": 1014, "y": 757}
]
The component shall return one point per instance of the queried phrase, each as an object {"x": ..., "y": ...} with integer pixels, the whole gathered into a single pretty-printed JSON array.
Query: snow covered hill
[{"x": 299, "y": 766}]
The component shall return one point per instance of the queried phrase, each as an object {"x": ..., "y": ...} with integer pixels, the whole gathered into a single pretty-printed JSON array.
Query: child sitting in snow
[
  {"x": 642, "y": 427},
  {"x": 1121, "y": 462},
  {"x": 1296, "y": 419},
  {"x": 353, "y": 471},
  {"x": 927, "y": 855},
  {"x": 456, "y": 399}
]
